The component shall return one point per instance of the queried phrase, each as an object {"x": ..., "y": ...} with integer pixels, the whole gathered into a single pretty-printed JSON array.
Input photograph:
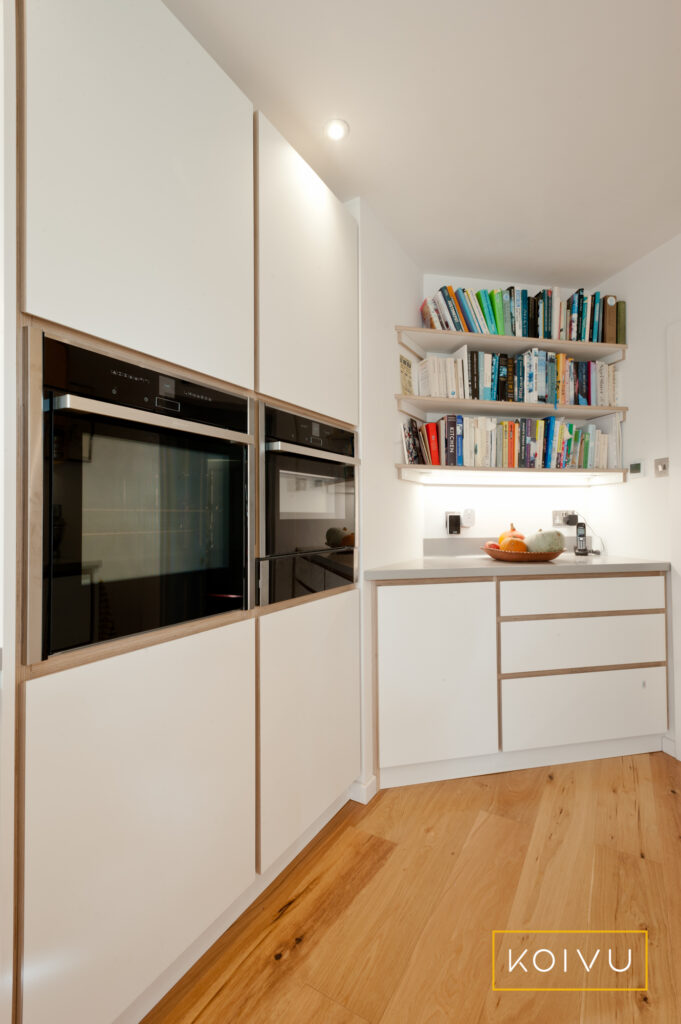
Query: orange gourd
[
  {"x": 513, "y": 544},
  {"x": 511, "y": 533}
]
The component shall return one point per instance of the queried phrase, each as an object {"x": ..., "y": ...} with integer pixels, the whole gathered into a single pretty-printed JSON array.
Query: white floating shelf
[
  {"x": 450, "y": 476},
  {"x": 423, "y": 340},
  {"x": 421, "y": 405}
]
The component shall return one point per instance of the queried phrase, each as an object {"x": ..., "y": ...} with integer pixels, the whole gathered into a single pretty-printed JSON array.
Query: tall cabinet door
[
  {"x": 307, "y": 284},
  {"x": 140, "y": 818},
  {"x": 139, "y": 189},
  {"x": 309, "y": 716}
]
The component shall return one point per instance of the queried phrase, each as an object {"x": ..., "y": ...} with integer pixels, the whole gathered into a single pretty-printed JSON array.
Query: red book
[{"x": 431, "y": 431}]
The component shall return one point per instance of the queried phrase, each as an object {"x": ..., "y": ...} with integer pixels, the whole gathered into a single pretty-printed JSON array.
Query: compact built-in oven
[
  {"x": 140, "y": 486},
  {"x": 308, "y": 506}
]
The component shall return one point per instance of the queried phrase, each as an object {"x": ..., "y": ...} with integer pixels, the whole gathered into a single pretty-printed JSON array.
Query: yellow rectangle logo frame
[{"x": 567, "y": 931}]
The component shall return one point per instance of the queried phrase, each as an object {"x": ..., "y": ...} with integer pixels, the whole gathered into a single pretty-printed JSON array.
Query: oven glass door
[
  {"x": 310, "y": 504},
  {"x": 143, "y": 527}
]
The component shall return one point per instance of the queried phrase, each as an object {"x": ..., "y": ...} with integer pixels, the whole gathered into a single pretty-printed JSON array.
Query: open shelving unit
[{"x": 423, "y": 341}]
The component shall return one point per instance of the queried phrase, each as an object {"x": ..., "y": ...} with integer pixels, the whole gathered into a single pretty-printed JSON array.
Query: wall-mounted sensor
[
  {"x": 635, "y": 469},
  {"x": 453, "y": 523}
]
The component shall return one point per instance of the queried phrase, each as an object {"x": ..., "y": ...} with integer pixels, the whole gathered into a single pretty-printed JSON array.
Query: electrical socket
[
  {"x": 468, "y": 518},
  {"x": 559, "y": 516}
]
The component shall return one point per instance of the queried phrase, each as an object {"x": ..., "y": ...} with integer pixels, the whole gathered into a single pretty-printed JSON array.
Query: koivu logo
[{"x": 570, "y": 960}]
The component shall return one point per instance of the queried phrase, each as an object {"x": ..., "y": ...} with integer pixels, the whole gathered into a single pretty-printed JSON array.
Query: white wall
[
  {"x": 643, "y": 516},
  {"x": 7, "y": 498},
  {"x": 640, "y": 519},
  {"x": 528, "y": 507},
  {"x": 390, "y": 510}
]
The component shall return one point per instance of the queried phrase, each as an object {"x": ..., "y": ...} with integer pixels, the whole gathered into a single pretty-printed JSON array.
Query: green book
[
  {"x": 498, "y": 307},
  {"x": 621, "y": 322}
]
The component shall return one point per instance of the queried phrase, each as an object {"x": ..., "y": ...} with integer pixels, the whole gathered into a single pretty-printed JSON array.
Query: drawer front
[
  {"x": 542, "y": 645},
  {"x": 609, "y": 594},
  {"x": 546, "y": 711}
]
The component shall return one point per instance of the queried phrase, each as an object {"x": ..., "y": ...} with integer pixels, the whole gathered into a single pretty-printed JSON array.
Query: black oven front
[
  {"x": 145, "y": 494},
  {"x": 308, "y": 516}
]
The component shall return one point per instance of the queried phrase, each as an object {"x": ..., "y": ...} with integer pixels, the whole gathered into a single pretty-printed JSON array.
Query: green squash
[{"x": 545, "y": 540}]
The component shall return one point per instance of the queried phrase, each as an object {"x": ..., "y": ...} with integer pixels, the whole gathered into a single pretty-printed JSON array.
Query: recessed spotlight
[{"x": 336, "y": 129}]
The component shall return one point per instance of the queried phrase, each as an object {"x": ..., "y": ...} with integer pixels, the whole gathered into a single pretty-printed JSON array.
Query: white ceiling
[{"x": 510, "y": 139}]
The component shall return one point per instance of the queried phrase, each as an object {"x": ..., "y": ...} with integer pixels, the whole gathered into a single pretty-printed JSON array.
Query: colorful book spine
[
  {"x": 506, "y": 311},
  {"x": 498, "y": 309},
  {"x": 477, "y": 312},
  {"x": 431, "y": 432},
  {"x": 453, "y": 311},
  {"x": 486, "y": 306},
  {"x": 459, "y": 440},
  {"x": 596, "y": 320},
  {"x": 467, "y": 311}
]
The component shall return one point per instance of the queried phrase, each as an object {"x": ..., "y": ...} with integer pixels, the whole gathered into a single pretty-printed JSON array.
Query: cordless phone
[{"x": 580, "y": 546}]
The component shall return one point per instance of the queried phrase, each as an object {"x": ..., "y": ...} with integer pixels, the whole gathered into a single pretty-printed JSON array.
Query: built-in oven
[
  {"x": 308, "y": 506},
  {"x": 140, "y": 486}
]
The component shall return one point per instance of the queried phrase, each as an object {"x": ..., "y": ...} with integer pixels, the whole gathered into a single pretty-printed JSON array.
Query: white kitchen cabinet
[
  {"x": 437, "y": 672},
  {"x": 307, "y": 284},
  {"x": 595, "y": 594},
  {"x": 140, "y": 817},
  {"x": 546, "y": 711},
  {"x": 139, "y": 185},
  {"x": 547, "y": 644},
  {"x": 309, "y": 716}
]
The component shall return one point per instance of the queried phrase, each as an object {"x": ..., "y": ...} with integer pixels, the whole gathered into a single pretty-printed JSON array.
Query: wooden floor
[{"x": 388, "y": 916}]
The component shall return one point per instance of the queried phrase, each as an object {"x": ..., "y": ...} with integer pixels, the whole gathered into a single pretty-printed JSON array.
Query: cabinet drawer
[
  {"x": 607, "y": 594},
  {"x": 546, "y": 711},
  {"x": 547, "y": 644}
]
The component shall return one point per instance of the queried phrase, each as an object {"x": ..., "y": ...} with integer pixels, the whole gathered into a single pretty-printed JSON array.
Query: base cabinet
[
  {"x": 437, "y": 672},
  {"x": 548, "y": 711},
  {"x": 309, "y": 708},
  {"x": 140, "y": 818}
]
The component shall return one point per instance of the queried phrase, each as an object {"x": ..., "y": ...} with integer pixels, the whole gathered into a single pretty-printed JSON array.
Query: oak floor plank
[
  {"x": 363, "y": 956},
  {"x": 296, "y": 927},
  {"x": 246, "y": 936},
  {"x": 554, "y": 890},
  {"x": 629, "y": 892},
  {"x": 626, "y": 816},
  {"x": 449, "y": 973}
]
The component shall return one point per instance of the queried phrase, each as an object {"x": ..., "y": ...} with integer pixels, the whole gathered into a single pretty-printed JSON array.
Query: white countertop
[{"x": 437, "y": 568}]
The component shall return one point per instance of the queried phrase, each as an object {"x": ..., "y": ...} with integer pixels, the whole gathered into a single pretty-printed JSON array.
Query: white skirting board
[
  {"x": 489, "y": 764},
  {"x": 148, "y": 999},
  {"x": 669, "y": 746},
  {"x": 363, "y": 792}
]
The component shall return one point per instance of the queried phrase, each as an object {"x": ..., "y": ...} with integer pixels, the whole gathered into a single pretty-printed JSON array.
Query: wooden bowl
[{"x": 521, "y": 556}]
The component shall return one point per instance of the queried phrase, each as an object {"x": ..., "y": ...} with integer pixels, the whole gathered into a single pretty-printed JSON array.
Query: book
[
  {"x": 506, "y": 310},
  {"x": 486, "y": 305},
  {"x": 433, "y": 446},
  {"x": 443, "y": 310},
  {"x": 498, "y": 309},
  {"x": 467, "y": 311},
  {"x": 609, "y": 316},
  {"x": 457, "y": 306},
  {"x": 406, "y": 375},
  {"x": 477, "y": 312},
  {"x": 453, "y": 311},
  {"x": 621, "y": 322}
]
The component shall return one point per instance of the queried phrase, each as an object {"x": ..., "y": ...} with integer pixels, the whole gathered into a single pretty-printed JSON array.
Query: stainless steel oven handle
[
  {"x": 316, "y": 453},
  {"x": 76, "y": 403}
]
